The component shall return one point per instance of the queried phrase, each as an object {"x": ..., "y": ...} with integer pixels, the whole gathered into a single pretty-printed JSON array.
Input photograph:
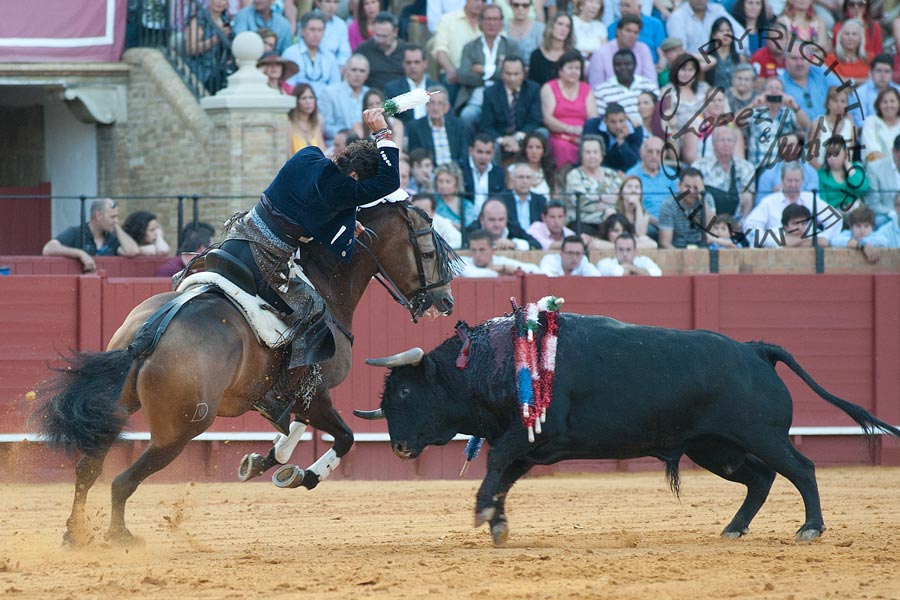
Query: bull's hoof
[
  {"x": 288, "y": 476},
  {"x": 252, "y": 465},
  {"x": 734, "y": 534},
  {"x": 500, "y": 532},
  {"x": 808, "y": 535},
  {"x": 485, "y": 515}
]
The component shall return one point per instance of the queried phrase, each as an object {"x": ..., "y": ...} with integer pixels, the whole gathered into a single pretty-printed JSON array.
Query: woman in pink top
[
  {"x": 361, "y": 28},
  {"x": 566, "y": 103}
]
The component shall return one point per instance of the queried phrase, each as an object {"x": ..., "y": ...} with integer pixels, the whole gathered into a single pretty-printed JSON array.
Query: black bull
[{"x": 621, "y": 391}]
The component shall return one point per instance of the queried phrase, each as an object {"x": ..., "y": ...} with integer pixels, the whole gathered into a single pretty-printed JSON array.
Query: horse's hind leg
[
  {"x": 87, "y": 470},
  {"x": 731, "y": 462},
  {"x": 154, "y": 458}
]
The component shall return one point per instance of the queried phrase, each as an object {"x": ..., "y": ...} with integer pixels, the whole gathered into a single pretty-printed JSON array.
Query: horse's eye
[{"x": 428, "y": 255}]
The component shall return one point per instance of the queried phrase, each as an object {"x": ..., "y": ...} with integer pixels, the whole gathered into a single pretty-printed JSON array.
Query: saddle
[{"x": 237, "y": 283}]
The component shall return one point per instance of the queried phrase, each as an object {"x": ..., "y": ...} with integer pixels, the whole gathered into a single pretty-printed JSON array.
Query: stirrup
[{"x": 282, "y": 422}]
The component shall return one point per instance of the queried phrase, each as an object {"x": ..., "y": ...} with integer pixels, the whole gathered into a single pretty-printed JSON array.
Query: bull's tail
[{"x": 869, "y": 423}]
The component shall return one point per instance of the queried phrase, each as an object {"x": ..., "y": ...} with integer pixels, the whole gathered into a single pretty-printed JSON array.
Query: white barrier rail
[{"x": 261, "y": 436}]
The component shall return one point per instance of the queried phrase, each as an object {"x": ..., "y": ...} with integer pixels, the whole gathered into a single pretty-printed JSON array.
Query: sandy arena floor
[{"x": 621, "y": 536}]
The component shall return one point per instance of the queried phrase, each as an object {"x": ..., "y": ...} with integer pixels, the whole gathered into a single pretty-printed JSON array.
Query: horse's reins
[{"x": 417, "y": 298}]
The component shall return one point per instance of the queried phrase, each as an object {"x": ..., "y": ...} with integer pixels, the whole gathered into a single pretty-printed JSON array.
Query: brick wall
[{"x": 170, "y": 146}]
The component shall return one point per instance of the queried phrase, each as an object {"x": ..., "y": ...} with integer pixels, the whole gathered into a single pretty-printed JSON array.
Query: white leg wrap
[
  {"x": 284, "y": 445},
  {"x": 327, "y": 463}
]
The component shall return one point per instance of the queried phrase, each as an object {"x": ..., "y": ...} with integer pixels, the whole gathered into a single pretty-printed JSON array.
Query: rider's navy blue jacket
[{"x": 311, "y": 192}]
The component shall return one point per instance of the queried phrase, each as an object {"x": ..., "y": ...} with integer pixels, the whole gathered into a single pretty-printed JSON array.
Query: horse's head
[{"x": 414, "y": 263}]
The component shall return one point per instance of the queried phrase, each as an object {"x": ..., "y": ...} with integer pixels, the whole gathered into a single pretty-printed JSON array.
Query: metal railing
[
  {"x": 187, "y": 206},
  {"x": 165, "y": 25}
]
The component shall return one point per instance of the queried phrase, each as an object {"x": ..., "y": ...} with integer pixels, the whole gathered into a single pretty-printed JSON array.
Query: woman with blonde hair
[
  {"x": 850, "y": 52},
  {"x": 448, "y": 181},
  {"x": 306, "y": 124},
  {"x": 630, "y": 203}
]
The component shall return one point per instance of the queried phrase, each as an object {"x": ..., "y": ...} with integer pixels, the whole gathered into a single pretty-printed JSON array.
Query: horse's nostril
[{"x": 447, "y": 304}]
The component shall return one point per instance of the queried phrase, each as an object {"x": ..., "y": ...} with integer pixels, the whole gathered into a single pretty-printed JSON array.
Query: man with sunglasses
[{"x": 101, "y": 236}]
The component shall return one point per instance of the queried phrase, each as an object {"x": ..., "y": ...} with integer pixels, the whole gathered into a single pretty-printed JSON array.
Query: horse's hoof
[
  {"x": 485, "y": 515},
  {"x": 74, "y": 539},
  {"x": 288, "y": 476},
  {"x": 123, "y": 538},
  {"x": 500, "y": 533},
  {"x": 252, "y": 465},
  {"x": 733, "y": 534},
  {"x": 808, "y": 535}
]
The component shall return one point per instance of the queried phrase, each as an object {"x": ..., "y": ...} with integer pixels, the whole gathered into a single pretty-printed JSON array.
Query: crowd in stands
[{"x": 673, "y": 123}]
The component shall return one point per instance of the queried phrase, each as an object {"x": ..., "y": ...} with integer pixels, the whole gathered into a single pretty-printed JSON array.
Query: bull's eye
[{"x": 404, "y": 391}]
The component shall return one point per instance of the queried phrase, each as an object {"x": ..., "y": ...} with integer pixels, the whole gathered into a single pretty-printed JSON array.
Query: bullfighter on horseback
[{"x": 311, "y": 198}]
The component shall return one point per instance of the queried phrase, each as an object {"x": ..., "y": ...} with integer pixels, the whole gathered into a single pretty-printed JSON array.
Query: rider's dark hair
[{"x": 360, "y": 156}]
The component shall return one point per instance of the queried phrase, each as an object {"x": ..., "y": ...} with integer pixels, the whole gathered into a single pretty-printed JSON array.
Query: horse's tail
[
  {"x": 869, "y": 423},
  {"x": 83, "y": 411}
]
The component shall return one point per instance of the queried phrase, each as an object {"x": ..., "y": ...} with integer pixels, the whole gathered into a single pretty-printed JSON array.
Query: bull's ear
[{"x": 430, "y": 368}]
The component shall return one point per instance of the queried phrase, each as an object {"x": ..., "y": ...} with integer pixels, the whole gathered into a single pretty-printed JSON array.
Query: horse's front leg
[{"x": 322, "y": 415}]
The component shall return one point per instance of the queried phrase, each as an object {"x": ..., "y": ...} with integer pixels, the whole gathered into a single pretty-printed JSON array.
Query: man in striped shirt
[{"x": 624, "y": 87}]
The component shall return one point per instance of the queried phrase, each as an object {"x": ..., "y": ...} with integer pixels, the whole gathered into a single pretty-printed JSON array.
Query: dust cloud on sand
[{"x": 622, "y": 536}]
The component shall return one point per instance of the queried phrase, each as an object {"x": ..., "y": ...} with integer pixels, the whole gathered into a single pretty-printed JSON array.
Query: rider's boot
[
  {"x": 313, "y": 346},
  {"x": 278, "y": 403}
]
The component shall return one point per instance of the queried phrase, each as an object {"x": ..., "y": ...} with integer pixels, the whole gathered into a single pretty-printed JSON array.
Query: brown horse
[{"x": 209, "y": 363}]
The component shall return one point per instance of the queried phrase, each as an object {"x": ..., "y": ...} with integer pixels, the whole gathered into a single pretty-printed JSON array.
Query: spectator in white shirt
[
  {"x": 571, "y": 260},
  {"x": 485, "y": 263},
  {"x": 627, "y": 261},
  {"x": 762, "y": 225}
]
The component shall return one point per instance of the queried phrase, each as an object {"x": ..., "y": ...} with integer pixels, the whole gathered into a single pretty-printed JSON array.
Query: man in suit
[
  {"x": 477, "y": 71},
  {"x": 513, "y": 109},
  {"x": 884, "y": 178},
  {"x": 482, "y": 177},
  {"x": 523, "y": 206},
  {"x": 311, "y": 198},
  {"x": 442, "y": 134},
  {"x": 506, "y": 234},
  {"x": 415, "y": 64}
]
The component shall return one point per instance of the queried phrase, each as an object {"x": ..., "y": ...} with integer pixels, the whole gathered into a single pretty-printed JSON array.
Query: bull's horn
[
  {"x": 410, "y": 357},
  {"x": 369, "y": 415}
]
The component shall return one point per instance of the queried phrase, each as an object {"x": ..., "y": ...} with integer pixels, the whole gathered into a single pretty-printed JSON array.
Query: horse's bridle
[{"x": 418, "y": 301}]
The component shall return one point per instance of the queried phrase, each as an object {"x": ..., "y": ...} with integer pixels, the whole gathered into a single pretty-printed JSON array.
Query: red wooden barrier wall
[{"x": 844, "y": 329}]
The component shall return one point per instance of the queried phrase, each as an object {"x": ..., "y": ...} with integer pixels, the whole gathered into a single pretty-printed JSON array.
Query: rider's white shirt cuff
[{"x": 387, "y": 144}]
